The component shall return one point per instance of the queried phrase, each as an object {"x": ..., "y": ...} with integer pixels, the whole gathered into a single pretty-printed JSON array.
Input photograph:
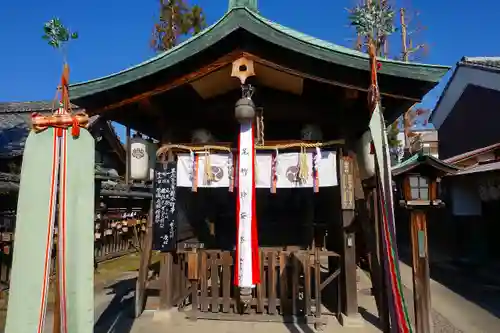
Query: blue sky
[{"x": 115, "y": 35}]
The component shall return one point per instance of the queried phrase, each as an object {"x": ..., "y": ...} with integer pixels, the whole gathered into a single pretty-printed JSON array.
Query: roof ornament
[
  {"x": 245, "y": 108},
  {"x": 58, "y": 36},
  {"x": 249, "y": 4}
]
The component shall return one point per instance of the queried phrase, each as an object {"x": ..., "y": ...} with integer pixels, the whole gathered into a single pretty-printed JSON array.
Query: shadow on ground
[
  {"x": 118, "y": 315},
  {"x": 298, "y": 328},
  {"x": 463, "y": 280},
  {"x": 369, "y": 317}
]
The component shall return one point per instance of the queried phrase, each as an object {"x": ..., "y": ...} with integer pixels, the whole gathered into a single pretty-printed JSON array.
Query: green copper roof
[
  {"x": 420, "y": 159},
  {"x": 243, "y": 15},
  {"x": 250, "y": 4}
]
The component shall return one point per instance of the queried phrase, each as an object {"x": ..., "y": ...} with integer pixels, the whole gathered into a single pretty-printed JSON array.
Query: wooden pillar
[
  {"x": 349, "y": 281},
  {"x": 421, "y": 276},
  {"x": 141, "y": 284},
  {"x": 166, "y": 279},
  {"x": 167, "y": 271},
  {"x": 379, "y": 271},
  {"x": 418, "y": 202},
  {"x": 369, "y": 216}
]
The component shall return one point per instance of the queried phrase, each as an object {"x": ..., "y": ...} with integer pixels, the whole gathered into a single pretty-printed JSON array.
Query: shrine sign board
[{"x": 164, "y": 210}]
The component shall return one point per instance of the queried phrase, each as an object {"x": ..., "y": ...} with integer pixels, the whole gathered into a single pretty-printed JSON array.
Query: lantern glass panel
[
  {"x": 414, "y": 181},
  {"x": 424, "y": 193},
  {"x": 419, "y": 188}
]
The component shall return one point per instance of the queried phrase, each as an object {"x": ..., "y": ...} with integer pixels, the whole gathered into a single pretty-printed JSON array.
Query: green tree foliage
[
  {"x": 57, "y": 35},
  {"x": 392, "y": 136},
  {"x": 395, "y": 145},
  {"x": 177, "y": 20},
  {"x": 373, "y": 21}
]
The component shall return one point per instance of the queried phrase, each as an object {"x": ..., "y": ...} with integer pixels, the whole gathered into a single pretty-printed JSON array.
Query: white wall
[{"x": 465, "y": 198}]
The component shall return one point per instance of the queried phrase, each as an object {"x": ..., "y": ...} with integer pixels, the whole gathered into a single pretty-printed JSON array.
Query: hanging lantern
[
  {"x": 311, "y": 132},
  {"x": 139, "y": 158},
  {"x": 152, "y": 148},
  {"x": 366, "y": 160},
  {"x": 244, "y": 110}
]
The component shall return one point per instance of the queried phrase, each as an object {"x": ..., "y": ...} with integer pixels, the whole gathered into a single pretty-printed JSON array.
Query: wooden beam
[
  {"x": 349, "y": 274},
  {"x": 225, "y": 61},
  {"x": 319, "y": 79},
  {"x": 145, "y": 261},
  {"x": 421, "y": 273},
  {"x": 221, "y": 62}
]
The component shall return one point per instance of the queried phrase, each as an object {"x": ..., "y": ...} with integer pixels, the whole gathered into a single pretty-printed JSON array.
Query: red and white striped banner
[{"x": 247, "y": 254}]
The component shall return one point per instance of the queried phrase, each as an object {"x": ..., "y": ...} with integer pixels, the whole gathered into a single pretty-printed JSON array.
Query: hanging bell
[
  {"x": 311, "y": 132},
  {"x": 244, "y": 110}
]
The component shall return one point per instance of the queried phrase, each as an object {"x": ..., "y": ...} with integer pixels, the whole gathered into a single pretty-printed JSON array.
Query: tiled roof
[
  {"x": 14, "y": 129},
  {"x": 15, "y": 124},
  {"x": 419, "y": 159},
  {"x": 479, "y": 168},
  {"x": 34, "y": 106},
  {"x": 472, "y": 153},
  {"x": 492, "y": 62},
  {"x": 248, "y": 19}
]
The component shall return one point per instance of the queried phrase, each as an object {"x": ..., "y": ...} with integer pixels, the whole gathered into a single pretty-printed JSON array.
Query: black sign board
[{"x": 164, "y": 210}]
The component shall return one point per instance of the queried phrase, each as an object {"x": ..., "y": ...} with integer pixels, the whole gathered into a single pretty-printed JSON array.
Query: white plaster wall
[{"x": 465, "y": 198}]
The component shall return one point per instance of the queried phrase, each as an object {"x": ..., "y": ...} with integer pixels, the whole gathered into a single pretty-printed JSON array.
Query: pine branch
[{"x": 177, "y": 20}]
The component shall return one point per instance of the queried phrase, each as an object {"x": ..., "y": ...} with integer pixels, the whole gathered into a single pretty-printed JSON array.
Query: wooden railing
[
  {"x": 115, "y": 243},
  {"x": 291, "y": 285}
]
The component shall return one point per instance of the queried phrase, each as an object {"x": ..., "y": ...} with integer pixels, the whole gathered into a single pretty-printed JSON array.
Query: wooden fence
[
  {"x": 291, "y": 288},
  {"x": 112, "y": 240}
]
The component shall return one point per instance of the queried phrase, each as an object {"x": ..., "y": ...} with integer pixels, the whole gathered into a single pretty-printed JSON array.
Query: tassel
[
  {"x": 316, "y": 161},
  {"x": 209, "y": 176},
  {"x": 230, "y": 171},
  {"x": 274, "y": 171},
  {"x": 303, "y": 168},
  {"x": 75, "y": 129},
  {"x": 194, "y": 187},
  {"x": 191, "y": 165}
]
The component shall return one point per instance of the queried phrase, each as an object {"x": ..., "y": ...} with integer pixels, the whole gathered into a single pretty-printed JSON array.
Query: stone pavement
[
  {"x": 113, "y": 314},
  {"x": 117, "y": 319},
  {"x": 450, "y": 314},
  {"x": 450, "y": 311}
]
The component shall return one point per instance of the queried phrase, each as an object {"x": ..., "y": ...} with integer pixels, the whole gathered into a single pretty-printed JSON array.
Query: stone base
[
  {"x": 352, "y": 321},
  {"x": 163, "y": 315}
]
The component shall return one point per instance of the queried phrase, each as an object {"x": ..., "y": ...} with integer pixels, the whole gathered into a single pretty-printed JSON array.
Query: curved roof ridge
[
  {"x": 250, "y": 4},
  {"x": 158, "y": 56},
  {"x": 303, "y": 37},
  {"x": 254, "y": 23}
]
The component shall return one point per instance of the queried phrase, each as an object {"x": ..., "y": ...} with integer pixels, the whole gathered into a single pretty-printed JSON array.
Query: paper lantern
[
  {"x": 139, "y": 158},
  {"x": 152, "y": 148},
  {"x": 366, "y": 160}
]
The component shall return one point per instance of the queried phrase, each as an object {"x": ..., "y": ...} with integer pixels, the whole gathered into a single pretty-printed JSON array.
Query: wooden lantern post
[
  {"x": 419, "y": 178},
  {"x": 420, "y": 194}
]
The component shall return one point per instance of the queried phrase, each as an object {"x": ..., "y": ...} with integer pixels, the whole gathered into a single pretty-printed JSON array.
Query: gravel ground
[{"x": 441, "y": 324}]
